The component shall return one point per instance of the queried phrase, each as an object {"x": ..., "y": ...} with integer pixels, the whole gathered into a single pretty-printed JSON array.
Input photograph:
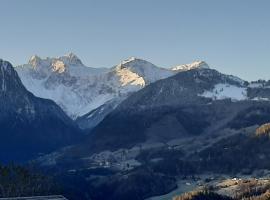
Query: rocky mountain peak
[
  {"x": 5, "y": 66},
  {"x": 71, "y": 59},
  {"x": 8, "y": 76},
  {"x": 193, "y": 65},
  {"x": 34, "y": 60},
  {"x": 131, "y": 61},
  {"x": 57, "y": 64}
]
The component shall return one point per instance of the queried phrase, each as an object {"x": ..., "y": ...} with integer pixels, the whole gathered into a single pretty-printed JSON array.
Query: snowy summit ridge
[
  {"x": 193, "y": 65},
  {"x": 57, "y": 64},
  {"x": 79, "y": 89},
  {"x": 144, "y": 69}
]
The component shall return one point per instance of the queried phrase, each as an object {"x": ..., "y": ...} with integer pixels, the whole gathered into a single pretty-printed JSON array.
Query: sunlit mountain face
[{"x": 80, "y": 90}]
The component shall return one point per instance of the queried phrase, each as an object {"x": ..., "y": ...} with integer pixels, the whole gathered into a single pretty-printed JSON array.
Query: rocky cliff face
[{"x": 29, "y": 126}]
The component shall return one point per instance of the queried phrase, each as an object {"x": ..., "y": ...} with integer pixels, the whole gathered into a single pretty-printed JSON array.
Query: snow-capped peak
[
  {"x": 193, "y": 65},
  {"x": 130, "y": 59},
  {"x": 79, "y": 89},
  {"x": 143, "y": 70},
  {"x": 71, "y": 59},
  {"x": 66, "y": 60},
  {"x": 34, "y": 60}
]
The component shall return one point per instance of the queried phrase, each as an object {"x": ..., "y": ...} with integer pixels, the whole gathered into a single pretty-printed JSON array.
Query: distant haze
[{"x": 231, "y": 36}]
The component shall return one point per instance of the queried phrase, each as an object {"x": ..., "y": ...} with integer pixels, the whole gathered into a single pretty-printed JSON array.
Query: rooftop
[{"x": 52, "y": 197}]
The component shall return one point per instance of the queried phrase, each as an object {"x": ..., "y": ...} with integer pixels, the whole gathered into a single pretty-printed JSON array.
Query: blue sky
[{"x": 233, "y": 36}]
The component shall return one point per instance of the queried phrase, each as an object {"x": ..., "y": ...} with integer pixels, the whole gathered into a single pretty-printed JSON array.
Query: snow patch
[
  {"x": 260, "y": 99},
  {"x": 226, "y": 91}
]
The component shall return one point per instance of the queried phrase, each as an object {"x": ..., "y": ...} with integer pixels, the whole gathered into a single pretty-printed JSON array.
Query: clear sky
[{"x": 232, "y": 36}]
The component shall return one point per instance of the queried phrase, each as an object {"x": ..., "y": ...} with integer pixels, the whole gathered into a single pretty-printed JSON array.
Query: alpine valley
[{"x": 135, "y": 130}]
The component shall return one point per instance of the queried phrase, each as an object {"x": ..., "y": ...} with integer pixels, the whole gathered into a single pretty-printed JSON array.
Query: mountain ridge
[
  {"x": 24, "y": 121},
  {"x": 78, "y": 89}
]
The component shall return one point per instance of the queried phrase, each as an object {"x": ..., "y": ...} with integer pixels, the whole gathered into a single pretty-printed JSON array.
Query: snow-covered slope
[
  {"x": 188, "y": 103},
  {"x": 149, "y": 72},
  {"x": 226, "y": 91},
  {"x": 79, "y": 89},
  {"x": 94, "y": 117},
  {"x": 65, "y": 80}
]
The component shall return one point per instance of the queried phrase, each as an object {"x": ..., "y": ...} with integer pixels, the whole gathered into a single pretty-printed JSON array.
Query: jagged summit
[
  {"x": 71, "y": 55},
  {"x": 79, "y": 89},
  {"x": 34, "y": 60},
  {"x": 56, "y": 63},
  {"x": 193, "y": 65},
  {"x": 132, "y": 61},
  {"x": 138, "y": 63},
  {"x": 143, "y": 69},
  {"x": 71, "y": 59}
]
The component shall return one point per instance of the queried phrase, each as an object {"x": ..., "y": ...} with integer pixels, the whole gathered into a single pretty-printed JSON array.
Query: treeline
[
  {"x": 237, "y": 154},
  {"x": 17, "y": 181},
  {"x": 243, "y": 190},
  {"x": 202, "y": 195}
]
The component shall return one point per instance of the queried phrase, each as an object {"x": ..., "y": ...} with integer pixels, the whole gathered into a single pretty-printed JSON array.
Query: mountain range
[
  {"x": 131, "y": 124},
  {"x": 198, "y": 102},
  {"x": 79, "y": 89}
]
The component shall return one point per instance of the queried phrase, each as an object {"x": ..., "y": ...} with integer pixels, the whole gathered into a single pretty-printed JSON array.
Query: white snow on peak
[
  {"x": 73, "y": 86},
  {"x": 145, "y": 69},
  {"x": 70, "y": 64},
  {"x": 68, "y": 59},
  {"x": 34, "y": 61},
  {"x": 193, "y": 65},
  {"x": 58, "y": 66},
  {"x": 71, "y": 59},
  {"x": 128, "y": 77},
  {"x": 226, "y": 91},
  {"x": 79, "y": 89},
  {"x": 130, "y": 59}
]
